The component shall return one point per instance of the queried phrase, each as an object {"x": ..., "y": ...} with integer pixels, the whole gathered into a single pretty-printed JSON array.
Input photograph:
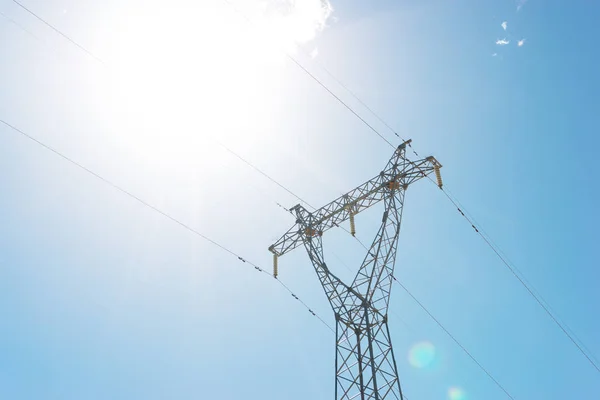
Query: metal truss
[{"x": 365, "y": 363}]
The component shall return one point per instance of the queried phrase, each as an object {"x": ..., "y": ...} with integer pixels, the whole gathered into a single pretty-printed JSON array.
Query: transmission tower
[{"x": 365, "y": 364}]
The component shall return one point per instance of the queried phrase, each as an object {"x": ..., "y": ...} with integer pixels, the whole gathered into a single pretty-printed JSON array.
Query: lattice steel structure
[{"x": 365, "y": 364}]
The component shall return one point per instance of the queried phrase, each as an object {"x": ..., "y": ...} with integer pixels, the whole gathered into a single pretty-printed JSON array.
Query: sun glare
[{"x": 183, "y": 74}]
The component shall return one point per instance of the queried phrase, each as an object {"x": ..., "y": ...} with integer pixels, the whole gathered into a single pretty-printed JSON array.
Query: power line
[
  {"x": 533, "y": 288},
  {"x": 317, "y": 80},
  {"x": 546, "y": 307},
  {"x": 357, "y": 115},
  {"x": 159, "y": 211},
  {"x": 20, "y": 26},
  {"x": 81, "y": 47},
  {"x": 494, "y": 249},
  {"x": 291, "y": 57},
  {"x": 463, "y": 348},
  {"x": 374, "y": 130},
  {"x": 261, "y": 172},
  {"x": 538, "y": 298},
  {"x": 255, "y": 168},
  {"x": 562, "y": 326},
  {"x": 49, "y": 25},
  {"x": 222, "y": 247},
  {"x": 355, "y": 96},
  {"x": 218, "y": 142},
  {"x": 304, "y": 304},
  {"x": 216, "y": 243}
]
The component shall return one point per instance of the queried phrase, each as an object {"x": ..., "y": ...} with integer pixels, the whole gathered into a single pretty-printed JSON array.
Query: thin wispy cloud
[
  {"x": 502, "y": 42},
  {"x": 520, "y": 4},
  {"x": 521, "y": 42},
  {"x": 504, "y": 25},
  {"x": 315, "y": 53},
  {"x": 495, "y": 55}
]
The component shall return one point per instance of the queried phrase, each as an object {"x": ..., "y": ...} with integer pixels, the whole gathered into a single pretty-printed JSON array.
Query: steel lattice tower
[{"x": 364, "y": 358}]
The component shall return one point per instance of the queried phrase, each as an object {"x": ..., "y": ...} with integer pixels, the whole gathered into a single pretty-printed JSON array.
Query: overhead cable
[
  {"x": 159, "y": 211},
  {"x": 562, "y": 326}
]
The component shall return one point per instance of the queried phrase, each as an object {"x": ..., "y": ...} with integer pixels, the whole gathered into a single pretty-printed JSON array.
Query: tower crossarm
[{"x": 399, "y": 172}]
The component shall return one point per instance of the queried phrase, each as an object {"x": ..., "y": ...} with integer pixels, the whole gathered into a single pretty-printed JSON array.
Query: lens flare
[
  {"x": 455, "y": 393},
  {"x": 421, "y": 355}
]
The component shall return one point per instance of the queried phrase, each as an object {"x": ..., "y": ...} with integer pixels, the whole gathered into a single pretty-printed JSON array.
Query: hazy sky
[{"x": 103, "y": 298}]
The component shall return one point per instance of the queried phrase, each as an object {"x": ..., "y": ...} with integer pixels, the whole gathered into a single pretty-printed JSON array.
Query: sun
[{"x": 183, "y": 73}]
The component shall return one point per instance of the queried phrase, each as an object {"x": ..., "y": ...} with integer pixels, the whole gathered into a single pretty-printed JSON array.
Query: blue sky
[{"x": 101, "y": 297}]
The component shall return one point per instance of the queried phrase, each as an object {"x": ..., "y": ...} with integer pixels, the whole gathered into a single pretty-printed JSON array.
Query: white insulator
[
  {"x": 275, "y": 265},
  {"x": 438, "y": 175},
  {"x": 352, "y": 224}
]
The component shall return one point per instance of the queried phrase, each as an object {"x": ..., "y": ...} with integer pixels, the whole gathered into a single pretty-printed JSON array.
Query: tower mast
[{"x": 365, "y": 364}]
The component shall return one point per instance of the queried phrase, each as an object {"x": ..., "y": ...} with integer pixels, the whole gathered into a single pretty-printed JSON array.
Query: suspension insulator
[
  {"x": 275, "y": 259},
  {"x": 352, "y": 224},
  {"x": 438, "y": 175}
]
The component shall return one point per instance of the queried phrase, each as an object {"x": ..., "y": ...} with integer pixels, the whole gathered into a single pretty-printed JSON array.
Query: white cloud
[
  {"x": 495, "y": 54},
  {"x": 298, "y": 21},
  {"x": 520, "y": 4},
  {"x": 502, "y": 42},
  {"x": 521, "y": 42},
  {"x": 504, "y": 25},
  {"x": 315, "y": 53}
]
